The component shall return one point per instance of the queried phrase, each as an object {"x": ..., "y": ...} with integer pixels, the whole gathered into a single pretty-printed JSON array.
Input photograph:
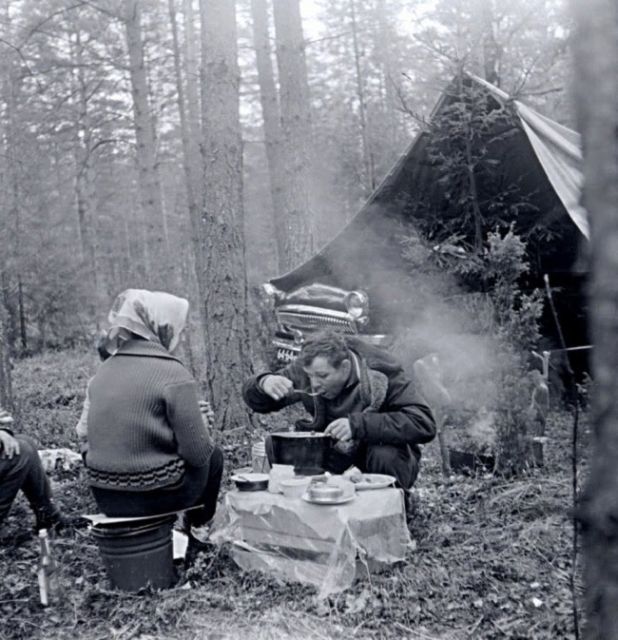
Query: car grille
[{"x": 314, "y": 321}]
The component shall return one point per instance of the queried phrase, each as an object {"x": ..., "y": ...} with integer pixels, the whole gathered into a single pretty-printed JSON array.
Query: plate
[
  {"x": 324, "y": 501},
  {"x": 250, "y": 477},
  {"x": 374, "y": 481}
]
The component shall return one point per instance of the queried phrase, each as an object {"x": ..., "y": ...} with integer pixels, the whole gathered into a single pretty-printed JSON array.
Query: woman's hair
[{"x": 328, "y": 344}]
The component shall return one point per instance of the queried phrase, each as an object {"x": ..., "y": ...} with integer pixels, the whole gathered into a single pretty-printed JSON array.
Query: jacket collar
[{"x": 146, "y": 348}]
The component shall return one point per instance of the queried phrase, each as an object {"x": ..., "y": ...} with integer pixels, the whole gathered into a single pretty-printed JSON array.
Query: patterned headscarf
[{"x": 152, "y": 315}]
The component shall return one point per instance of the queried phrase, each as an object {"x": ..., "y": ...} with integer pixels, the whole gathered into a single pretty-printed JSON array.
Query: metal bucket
[{"x": 140, "y": 555}]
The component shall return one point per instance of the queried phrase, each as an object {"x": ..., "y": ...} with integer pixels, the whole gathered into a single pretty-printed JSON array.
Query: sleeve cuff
[
  {"x": 261, "y": 379},
  {"x": 356, "y": 426}
]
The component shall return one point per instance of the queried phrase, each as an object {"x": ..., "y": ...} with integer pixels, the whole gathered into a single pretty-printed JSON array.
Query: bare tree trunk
[
  {"x": 6, "y": 392},
  {"x": 477, "y": 215},
  {"x": 158, "y": 274},
  {"x": 84, "y": 179},
  {"x": 360, "y": 93},
  {"x": 193, "y": 104},
  {"x": 596, "y": 86},
  {"x": 272, "y": 127},
  {"x": 384, "y": 48},
  {"x": 487, "y": 52},
  {"x": 223, "y": 284},
  {"x": 296, "y": 127},
  {"x": 189, "y": 152},
  {"x": 12, "y": 255}
]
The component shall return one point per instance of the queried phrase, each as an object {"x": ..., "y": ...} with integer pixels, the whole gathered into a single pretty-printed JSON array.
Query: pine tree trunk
[
  {"x": 596, "y": 84},
  {"x": 370, "y": 180},
  {"x": 222, "y": 284},
  {"x": 296, "y": 127},
  {"x": 272, "y": 127},
  {"x": 384, "y": 48},
  {"x": 158, "y": 271},
  {"x": 84, "y": 180},
  {"x": 12, "y": 240},
  {"x": 190, "y": 154},
  {"x": 192, "y": 75},
  {"x": 6, "y": 393}
]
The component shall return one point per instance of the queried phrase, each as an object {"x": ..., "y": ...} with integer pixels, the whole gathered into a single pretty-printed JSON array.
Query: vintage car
[{"x": 310, "y": 308}]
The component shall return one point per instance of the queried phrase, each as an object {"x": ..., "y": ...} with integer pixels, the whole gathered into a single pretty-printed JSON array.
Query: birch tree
[
  {"x": 223, "y": 286},
  {"x": 597, "y": 98}
]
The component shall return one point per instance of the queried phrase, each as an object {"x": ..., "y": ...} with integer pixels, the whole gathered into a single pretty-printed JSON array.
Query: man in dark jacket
[
  {"x": 21, "y": 468},
  {"x": 363, "y": 400}
]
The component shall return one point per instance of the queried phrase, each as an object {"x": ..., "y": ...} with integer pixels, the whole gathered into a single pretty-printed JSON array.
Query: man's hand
[
  {"x": 340, "y": 429},
  {"x": 277, "y": 387},
  {"x": 9, "y": 445}
]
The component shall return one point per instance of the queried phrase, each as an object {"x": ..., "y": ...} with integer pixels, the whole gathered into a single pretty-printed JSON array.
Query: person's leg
[
  {"x": 392, "y": 460},
  {"x": 25, "y": 472},
  {"x": 12, "y": 475},
  {"x": 210, "y": 491}
]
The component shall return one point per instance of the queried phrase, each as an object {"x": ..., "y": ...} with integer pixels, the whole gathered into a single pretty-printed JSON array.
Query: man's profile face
[{"x": 325, "y": 379}]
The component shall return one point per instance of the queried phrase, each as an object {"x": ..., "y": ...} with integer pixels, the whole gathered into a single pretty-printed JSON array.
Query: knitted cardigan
[{"x": 144, "y": 421}]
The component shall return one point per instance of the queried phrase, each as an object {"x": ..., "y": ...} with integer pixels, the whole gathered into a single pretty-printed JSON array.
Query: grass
[{"x": 492, "y": 558}]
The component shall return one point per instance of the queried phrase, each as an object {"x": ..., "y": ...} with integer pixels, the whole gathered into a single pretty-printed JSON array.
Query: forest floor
[{"x": 492, "y": 558}]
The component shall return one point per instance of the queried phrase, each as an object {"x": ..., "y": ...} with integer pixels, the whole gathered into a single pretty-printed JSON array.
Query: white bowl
[
  {"x": 294, "y": 487},
  {"x": 323, "y": 491}
]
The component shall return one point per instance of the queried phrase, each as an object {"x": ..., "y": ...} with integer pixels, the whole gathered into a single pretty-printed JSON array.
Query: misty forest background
[
  {"x": 203, "y": 147},
  {"x": 136, "y": 153}
]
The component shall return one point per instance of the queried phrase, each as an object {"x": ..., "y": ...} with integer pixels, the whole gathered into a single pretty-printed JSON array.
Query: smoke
[{"x": 467, "y": 359}]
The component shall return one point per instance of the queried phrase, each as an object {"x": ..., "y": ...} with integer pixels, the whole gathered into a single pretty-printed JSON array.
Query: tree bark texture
[
  {"x": 370, "y": 180},
  {"x": 84, "y": 178},
  {"x": 223, "y": 285},
  {"x": 596, "y": 85},
  {"x": 192, "y": 77},
  {"x": 271, "y": 117},
  {"x": 6, "y": 394},
  {"x": 11, "y": 223},
  {"x": 159, "y": 275},
  {"x": 190, "y": 153},
  {"x": 384, "y": 47},
  {"x": 296, "y": 127}
]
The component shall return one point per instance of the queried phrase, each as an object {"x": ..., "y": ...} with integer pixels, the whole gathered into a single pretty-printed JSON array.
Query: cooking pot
[
  {"x": 306, "y": 450},
  {"x": 251, "y": 481}
]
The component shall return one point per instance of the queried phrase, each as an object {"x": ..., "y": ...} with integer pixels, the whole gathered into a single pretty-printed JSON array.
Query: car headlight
[
  {"x": 357, "y": 304},
  {"x": 272, "y": 292}
]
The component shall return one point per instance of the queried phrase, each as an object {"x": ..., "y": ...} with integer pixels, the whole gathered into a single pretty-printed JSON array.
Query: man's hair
[{"x": 327, "y": 344}]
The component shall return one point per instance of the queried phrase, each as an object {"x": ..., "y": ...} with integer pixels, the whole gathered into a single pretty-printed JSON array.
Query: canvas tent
[{"x": 540, "y": 156}]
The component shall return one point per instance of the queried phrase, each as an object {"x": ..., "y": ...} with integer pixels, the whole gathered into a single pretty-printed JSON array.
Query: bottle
[{"x": 47, "y": 570}]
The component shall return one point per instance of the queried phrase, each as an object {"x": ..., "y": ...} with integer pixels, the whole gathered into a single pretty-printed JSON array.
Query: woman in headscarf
[{"x": 149, "y": 450}]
